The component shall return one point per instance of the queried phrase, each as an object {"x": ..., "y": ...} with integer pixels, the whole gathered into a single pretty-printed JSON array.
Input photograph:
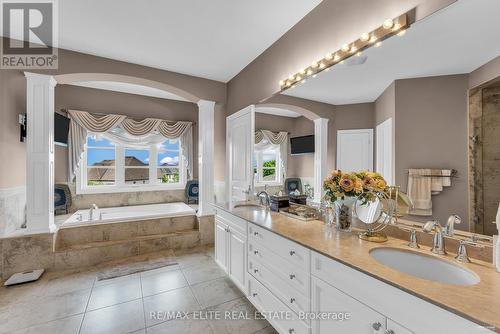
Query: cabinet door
[
  {"x": 221, "y": 237},
  {"x": 327, "y": 300},
  {"x": 395, "y": 328},
  {"x": 237, "y": 256}
]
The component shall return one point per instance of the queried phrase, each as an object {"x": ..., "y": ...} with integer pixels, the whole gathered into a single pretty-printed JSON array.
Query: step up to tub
[
  {"x": 97, "y": 235},
  {"x": 93, "y": 253}
]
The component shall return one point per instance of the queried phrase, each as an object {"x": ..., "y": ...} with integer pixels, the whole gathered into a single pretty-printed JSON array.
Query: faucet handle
[{"x": 462, "y": 252}]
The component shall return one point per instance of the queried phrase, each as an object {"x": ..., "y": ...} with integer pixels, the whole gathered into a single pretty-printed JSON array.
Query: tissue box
[
  {"x": 278, "y": 202},
  {"x": 299, "y": 199}
]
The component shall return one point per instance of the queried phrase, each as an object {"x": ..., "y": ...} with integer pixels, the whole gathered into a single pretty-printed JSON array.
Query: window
[
  {"x": 267, "y": 166},
  {"x": 110, "y": 167}
]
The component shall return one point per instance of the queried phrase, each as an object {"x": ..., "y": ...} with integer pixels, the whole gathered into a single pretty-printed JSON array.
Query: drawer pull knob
[
  {"x": 292, "y": 276},
  {"x": 256, "y": 252},
  {"x": 254, "y": 294},
  {"x": 376, "y": 325},
  {"x": 291, "y": 330},
  {"x": 255, "y": 233},
  {"x": 292, "y": 300},
  {"x": 292, "y": 253},
  {"x": 389, "y": 331},
  {"x": 256, "y": 271}
]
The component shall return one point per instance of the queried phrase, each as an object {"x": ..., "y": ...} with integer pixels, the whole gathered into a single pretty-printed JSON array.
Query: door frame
[
  {"x": 354, "y": 131},
  {"x": 388, "y": 123},
  {"x": 249, "y": 109}
]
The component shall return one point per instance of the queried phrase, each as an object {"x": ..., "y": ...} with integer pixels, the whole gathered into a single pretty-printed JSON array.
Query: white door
[
  {"x": 327, "y": 299},
  {"x": 237, "y": 251},
  {"x": 221, "y": 235},
  {"x": 385, "y": 150},
  {"x": 240, "y": 129},
  {"x": 355, "y": 150}
]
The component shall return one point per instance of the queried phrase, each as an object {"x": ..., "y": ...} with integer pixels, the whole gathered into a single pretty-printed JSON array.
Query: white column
[
  {"x": 40, "y": 152},
  {"x": 206, "y": 156},
  {"x": 320, "y": 156}
]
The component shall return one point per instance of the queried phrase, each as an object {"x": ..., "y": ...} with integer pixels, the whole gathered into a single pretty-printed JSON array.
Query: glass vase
[{"x": 343, "y": 213}]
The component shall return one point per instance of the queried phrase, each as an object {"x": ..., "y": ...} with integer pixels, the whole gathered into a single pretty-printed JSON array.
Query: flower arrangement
[{"x": 339, "y": 185}]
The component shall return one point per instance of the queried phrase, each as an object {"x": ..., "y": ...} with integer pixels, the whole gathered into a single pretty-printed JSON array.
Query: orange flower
[{"x": 346, "y": 184}]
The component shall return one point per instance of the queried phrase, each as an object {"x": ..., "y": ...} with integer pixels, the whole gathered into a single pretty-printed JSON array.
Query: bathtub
[{"x": 129, "y": 213}]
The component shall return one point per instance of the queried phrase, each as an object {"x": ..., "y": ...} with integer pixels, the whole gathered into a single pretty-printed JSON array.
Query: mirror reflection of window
[{"x": 266, "y": 166}]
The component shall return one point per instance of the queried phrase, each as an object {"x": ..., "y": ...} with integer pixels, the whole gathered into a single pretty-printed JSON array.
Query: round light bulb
[
  {"x": 314, "y": 64},
  {"x": 354, "y": 49},
  {"x": 345, "y": 47},
  {"x": 328, "y": 56},
  {"x": 298, "y": 78},
  {"x": 341, "y": 62},
  {"x": 309, "y": 72},
  {"x": 303, "y": 71},
  {"x": 378, "y": 44},
  {"x": 290, "y": 77},
  {"x": 397, "y": 26},
  {"x": 365, "y": 36},
  {"x": 373, "y": 39},
  {"x": 336, "y": 57},
  {"x": 388, "y": 24},
  {"x": 322, "y": 65},
  {"x": 401, "y": 33}
]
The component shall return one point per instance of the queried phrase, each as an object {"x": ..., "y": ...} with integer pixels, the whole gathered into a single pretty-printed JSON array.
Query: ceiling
[
  {"x": 455, "y": 40},
  {"x": 213, "y": 39},
  {"x": 129, "y": 88},
  {"x": 277, "y": 112}
]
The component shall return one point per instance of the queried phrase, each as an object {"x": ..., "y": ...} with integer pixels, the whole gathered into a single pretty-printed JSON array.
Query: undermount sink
[
  {"x": 252, "y": 206},
  {"x": 424, "y": 266}
]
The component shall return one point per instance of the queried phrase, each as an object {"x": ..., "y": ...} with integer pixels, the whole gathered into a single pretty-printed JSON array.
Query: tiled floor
[{"x": 70, "y": 303}]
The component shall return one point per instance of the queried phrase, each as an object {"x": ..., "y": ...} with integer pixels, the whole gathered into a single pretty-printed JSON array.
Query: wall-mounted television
[
  {"x": 302, "y": 145},
  {"x": 61, "y": 128}
]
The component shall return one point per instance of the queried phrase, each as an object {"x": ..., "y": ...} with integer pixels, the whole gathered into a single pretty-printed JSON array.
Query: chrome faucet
[
  {"x": 438, "y": 246},
  {"x": 449, "y": 229},
  {"x": 263, "y": 195},
  {"x": 91, "y": 211},
  {"x": 462, "y": 253},
  {"x": 413, "y": 239}
]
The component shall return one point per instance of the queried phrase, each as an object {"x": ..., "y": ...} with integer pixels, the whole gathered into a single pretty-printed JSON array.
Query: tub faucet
[
  {"x": 91, "y": 211},
  {"x": 438, "y": 239}
]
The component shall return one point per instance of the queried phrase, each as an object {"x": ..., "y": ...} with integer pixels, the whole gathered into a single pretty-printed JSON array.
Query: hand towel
[
  {"x": 419, "y": 191},
  {"x": 446, "y": 180}
]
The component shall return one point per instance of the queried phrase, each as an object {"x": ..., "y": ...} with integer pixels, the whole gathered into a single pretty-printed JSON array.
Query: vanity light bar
[{"x": 389, "y": 28}]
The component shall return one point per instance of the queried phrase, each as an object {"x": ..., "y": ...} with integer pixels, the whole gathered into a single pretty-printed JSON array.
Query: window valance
[
  {"x": 126, "y": 131},
  {"x": 265, "y": 139}
]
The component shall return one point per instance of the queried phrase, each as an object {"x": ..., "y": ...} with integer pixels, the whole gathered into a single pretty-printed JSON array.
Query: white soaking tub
[{"x": 129, "y": 213}]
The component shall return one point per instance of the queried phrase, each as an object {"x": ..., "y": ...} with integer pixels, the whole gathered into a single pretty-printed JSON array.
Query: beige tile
[
  {"x": 163, "y": 281},
  {"x": 184, "y": 240},
  {"x": 202, "y": 273},
  {"x": 188, "y": 260},
  {"x": 155, "y": 245},
  {"x": 121, "y": 318},
  {"x": 27, "y": 253},
  {"x": 237, "y": 326},
  {"x": 160, "y": 270},
  {"x": 56, "y": 283},
  {"x": 42, "y": 309},
  {"x": 20, "y": 293},
  {"x": 115, "y": 293},
  {"x": 180, "y": 300},
  {"x": 181, "y": 327},
  {"x": 70, "y": 325},
  {"x": 216, "y": 292}
]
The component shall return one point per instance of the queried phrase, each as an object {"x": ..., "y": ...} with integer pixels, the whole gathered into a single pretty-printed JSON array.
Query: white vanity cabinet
[
  {"x": 231, "y": 247},
  {"x": 344, "y": 313},
  {"x": 395, "y": 328}
]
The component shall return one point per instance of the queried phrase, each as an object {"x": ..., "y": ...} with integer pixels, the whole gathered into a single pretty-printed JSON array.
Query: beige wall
[
  {"x": 431, "y": 132},
  {"x": 385, "y": 105},
  {"x": 326, "y": 28},
  {"x": 13, "y": 102}
]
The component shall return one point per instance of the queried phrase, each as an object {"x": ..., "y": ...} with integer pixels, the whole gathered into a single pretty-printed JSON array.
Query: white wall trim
[
  {"x": 206, "y": 131},
  {"x": 320, "y": 156}
]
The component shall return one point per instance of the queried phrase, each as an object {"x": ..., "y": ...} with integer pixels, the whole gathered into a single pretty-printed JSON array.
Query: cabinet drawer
[
  {"x": 270, "y": 306},
  {"x": 290, "y": 251},
  {"x": 281, "y": 289},
  {"x": 298, "y": 279},
  {"x": 235, "y": 222}
]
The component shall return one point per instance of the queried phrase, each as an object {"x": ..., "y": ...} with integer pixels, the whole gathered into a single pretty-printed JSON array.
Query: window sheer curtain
[
  {"x": 265, "y": 139},
  {"x": 128, "y": 132}
]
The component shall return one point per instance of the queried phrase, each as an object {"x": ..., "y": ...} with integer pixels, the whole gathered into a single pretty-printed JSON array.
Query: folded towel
[
  {"x": 446, "y": 180},
  {"x": 420, "y": 191}
]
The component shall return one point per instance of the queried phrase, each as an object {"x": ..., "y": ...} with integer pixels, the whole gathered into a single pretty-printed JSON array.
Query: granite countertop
[{"x": 479, "y": 303}]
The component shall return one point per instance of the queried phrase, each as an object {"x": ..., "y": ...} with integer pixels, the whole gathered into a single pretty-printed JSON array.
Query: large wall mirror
[{"x": 406, "y": 109}]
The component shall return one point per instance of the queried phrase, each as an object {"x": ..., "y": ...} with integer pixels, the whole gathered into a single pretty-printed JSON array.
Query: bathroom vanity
[{"x": 322, "y": 281}]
